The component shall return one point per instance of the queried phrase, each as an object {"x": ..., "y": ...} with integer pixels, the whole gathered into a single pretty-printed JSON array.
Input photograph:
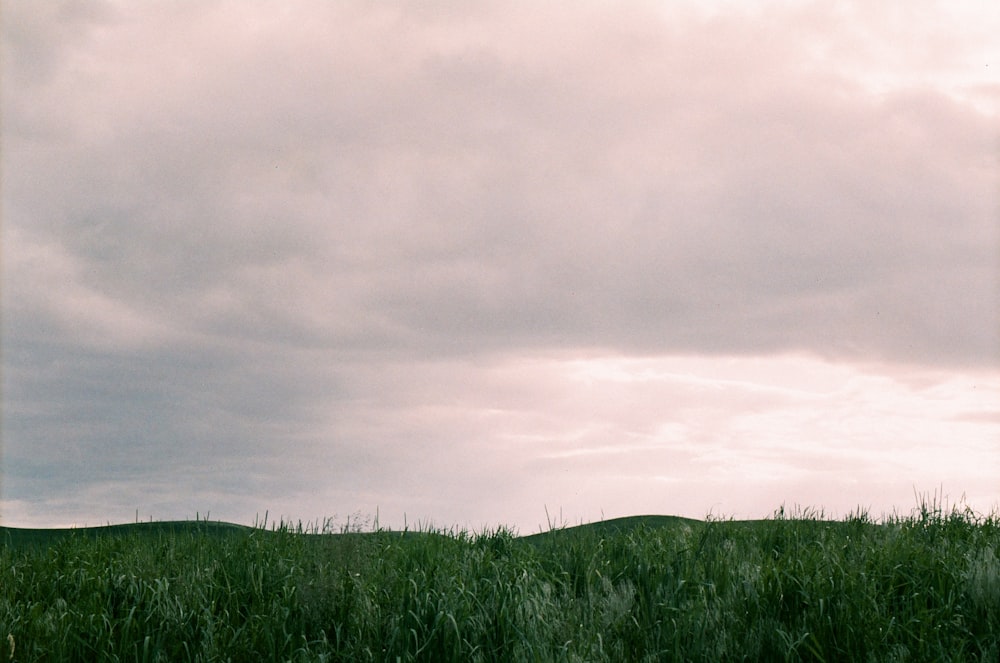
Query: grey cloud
[
  {"x": 37, "y": 37},
  {"x": 644, "y": 203},
  {"x": 222, "y": 221}
]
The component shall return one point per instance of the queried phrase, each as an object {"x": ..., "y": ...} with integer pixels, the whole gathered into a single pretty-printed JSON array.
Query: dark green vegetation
[{"x": 794, "y": 588}]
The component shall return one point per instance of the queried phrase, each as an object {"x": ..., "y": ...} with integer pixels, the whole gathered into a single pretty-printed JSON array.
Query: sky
[{"x": 463, "y": 264}]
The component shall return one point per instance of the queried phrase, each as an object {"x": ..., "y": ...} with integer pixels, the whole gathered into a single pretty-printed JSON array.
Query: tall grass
[{"x": 792, "y": 588}]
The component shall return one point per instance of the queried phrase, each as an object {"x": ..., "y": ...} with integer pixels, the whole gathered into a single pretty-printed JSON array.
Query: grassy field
[{"x": 925, "y": 587}]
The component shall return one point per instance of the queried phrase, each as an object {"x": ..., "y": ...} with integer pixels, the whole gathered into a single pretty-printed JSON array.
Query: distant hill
[
  {"x": 22, "y": 537},
  {"x": 18, "y": 537},
  {"x": 616, "y": 526}
]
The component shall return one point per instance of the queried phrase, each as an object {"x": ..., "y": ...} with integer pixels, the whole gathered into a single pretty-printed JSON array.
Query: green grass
[{"x": 925, "y": 587}]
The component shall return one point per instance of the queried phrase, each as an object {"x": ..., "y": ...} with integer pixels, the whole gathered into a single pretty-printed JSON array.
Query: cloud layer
[{"x": 240, "y": 237}]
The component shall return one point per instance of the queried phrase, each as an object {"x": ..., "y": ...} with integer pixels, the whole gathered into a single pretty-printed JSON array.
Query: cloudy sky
[{"x": 468, "y": 263}]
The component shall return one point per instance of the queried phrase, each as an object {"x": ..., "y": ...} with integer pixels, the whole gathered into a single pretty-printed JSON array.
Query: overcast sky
[{"x": 464, "y": 263}]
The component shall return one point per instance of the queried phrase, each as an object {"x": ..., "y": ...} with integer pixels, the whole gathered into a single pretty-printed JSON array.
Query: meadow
[{"x": 794, "y": 587}]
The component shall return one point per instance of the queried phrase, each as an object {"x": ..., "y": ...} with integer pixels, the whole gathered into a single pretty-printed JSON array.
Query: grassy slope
[
  {"x": 18, "y": 537},
  {"x": 639, "y": 588},
  {"x": 614, "y": 527}
]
